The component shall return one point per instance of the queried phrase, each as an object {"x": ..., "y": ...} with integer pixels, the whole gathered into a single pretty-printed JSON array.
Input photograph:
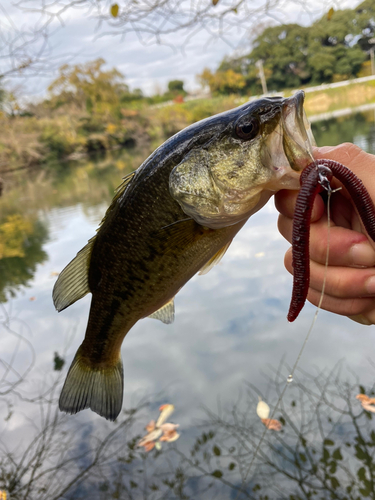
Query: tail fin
[{"x": 101, "y": 389}]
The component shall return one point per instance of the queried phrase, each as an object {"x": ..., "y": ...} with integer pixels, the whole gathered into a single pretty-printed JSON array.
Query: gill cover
[{"x": 235, "y": 172}]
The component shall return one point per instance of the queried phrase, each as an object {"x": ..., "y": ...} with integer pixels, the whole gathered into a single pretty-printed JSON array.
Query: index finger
[{"x": 285, "y": 202}]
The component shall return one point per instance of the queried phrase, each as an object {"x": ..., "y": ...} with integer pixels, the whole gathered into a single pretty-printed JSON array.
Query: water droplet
[{"x": 290, "y": 379}]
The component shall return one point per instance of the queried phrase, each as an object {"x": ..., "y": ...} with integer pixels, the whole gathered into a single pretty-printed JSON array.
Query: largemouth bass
[{"x": 174, "y": 216}]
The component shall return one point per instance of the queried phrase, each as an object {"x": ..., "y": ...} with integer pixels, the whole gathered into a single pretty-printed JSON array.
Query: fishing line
[{"x": 290, "y": 377}]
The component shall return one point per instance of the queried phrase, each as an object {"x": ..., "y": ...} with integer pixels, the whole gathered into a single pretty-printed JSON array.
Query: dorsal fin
[
  {"x": 165, "y": 313},
  {"x": 120, "y": 190},
  {"x": 215, "y": 259},
  {"x": 72, "y": 283}
]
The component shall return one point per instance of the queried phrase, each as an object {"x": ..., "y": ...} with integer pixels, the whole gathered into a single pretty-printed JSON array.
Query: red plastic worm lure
[{"x": 314, "y": 178}]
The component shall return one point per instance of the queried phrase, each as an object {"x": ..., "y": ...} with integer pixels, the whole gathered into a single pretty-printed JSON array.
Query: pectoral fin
[
  {"x": 215, "y": 259},
  {"x": 165, "y": 313},
  {"x": 73, "y": 284}
]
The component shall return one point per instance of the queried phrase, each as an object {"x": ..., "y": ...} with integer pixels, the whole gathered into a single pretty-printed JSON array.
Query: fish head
[{"x": 256, "y": 150}]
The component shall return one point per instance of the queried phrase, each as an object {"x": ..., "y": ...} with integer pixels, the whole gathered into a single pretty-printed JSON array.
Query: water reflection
[
  {"x": 230, "y": 327},
  {"x": 358, "y": 128},
  {"x": 21, "y": 250},
  {"x": 24, "y": 230},
  {"x": 323, "y": 450}
]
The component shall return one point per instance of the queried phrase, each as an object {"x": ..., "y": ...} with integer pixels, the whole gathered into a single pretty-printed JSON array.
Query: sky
[{"x": 76, "y": 38}]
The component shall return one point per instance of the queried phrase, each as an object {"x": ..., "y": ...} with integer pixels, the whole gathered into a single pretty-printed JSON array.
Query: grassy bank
[
  {"x": 47, "y": 136},
  {"x": 328, "y": 100},
  {"x": 50, "y": 137}
]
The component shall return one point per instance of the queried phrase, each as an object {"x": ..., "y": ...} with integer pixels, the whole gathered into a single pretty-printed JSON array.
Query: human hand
[{"x": 350, "y": 276}]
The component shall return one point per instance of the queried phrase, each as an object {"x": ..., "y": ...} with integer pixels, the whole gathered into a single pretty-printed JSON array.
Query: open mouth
[{"x": 298, "y": 139}]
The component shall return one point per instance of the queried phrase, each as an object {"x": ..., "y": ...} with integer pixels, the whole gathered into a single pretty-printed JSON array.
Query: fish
[{"x": 173, "y": 217}]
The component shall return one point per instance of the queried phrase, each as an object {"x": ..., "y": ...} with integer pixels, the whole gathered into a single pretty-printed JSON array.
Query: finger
[
  {"x": 341, "y": 282},
  {"x": 346, "y": 247},
  {"x": 361, "y": 310},
  {"x": 353, "y": 157},
  {"x": 285, "y": 202}
]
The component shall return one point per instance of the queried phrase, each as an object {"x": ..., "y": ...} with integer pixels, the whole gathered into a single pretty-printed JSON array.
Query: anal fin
[{"x": 165, "y": 313}]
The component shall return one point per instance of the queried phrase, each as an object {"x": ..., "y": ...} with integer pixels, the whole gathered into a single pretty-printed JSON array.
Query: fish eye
[{"x": 247, "y": 128}]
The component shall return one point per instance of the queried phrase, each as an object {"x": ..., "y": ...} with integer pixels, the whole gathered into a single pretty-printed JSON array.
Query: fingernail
[
  {"x": 362, "y": 254},
  {"x": 370, "y": 285}
]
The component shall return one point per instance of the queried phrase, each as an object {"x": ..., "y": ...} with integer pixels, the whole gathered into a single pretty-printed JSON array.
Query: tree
[
  {"x": 159, "y": 22},
  {"x": 176, "y": 86},
  {"x": 24, "y": 50},
  {"x": 332, "y": 48},
  {"x": 88, "y": 86},
  {"x": 222, "y": 82}
]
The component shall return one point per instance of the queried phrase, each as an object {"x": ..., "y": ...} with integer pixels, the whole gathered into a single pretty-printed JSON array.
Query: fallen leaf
[
  {"x": 367, "y": 407},
  {"x": 168, "y": 427},
  {"x": 150, "y": 426},
  {"x": 149, "y": 446},
  {"x": 160, "y": 431},
  {"x": 169, "y": 437},
  {"x": 364, "y": 399},
  {"x": 272, "y": 424},
  {"x": 263, "y": 410},
  {"x": 166, "y": 411},
  {"x": 31, "y": 299},
  {"x": 151, "y": 436}
]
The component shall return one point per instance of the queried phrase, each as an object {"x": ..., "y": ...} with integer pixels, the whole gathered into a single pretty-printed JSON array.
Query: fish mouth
[
  {"x": 298, "y": 139},
  {"x": 289, "y": 148}
]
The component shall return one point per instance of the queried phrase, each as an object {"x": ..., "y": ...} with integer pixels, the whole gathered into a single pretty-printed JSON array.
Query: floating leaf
[
  {"x": 166, "y": 410},
  {"x": 263, "y": 410},
  {"x": 114, "y": 10},
  {"x": 150, "y": 426},
  {"x": 272, "y": 424}
]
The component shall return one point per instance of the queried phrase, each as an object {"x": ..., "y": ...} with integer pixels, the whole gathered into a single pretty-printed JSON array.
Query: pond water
[{"x": 230, "y": 345}]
